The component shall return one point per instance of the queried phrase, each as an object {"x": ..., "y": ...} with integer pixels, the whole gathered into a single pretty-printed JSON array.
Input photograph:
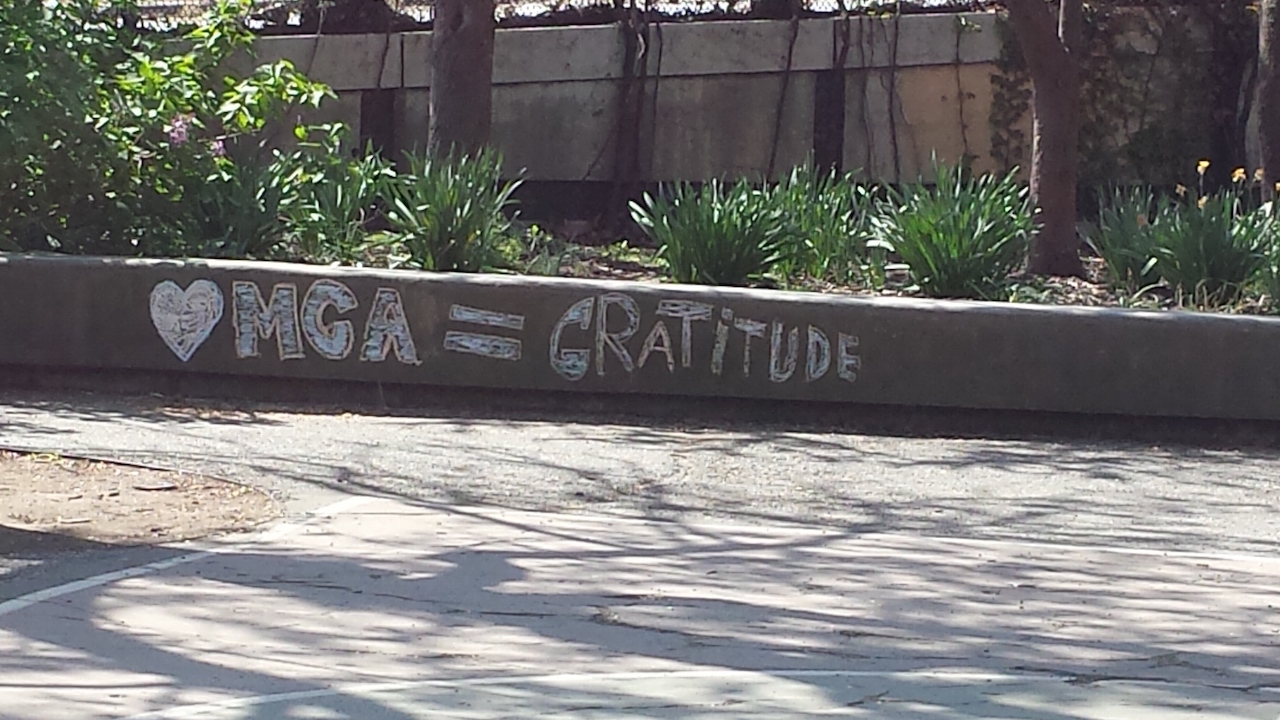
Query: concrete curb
[{"x": 273, "y": 320}]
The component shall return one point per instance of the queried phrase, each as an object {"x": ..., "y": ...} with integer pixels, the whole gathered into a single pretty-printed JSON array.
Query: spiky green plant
[
  {"x": 1125, "y": 236},
  {"x": 451, "y": 213},
  {"x": 717, "y": 234},
  {"x": 960, "y": 238},
  {"x": 336, "y": 201},
  {"x": 829, "y": 226},
  {"x": 1210, "y": 247}
]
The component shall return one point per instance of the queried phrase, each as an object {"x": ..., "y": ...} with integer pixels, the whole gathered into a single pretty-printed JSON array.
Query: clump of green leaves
[
  {"x": 1208, "y": 249},
  {"x": 1125, "y": 237},
  {"x": 716, "y": 234},
  {"x": 236, "y": 213},
  {"x": 335, "y": 202},
  {"x": 58, "y": 174},
  {"x": 1269, "y": 275},
  {"x": 539, "y": 252},
  {"x": 960, "y": 238},
  {"x": 450, "y": 213},
  {"x": 829, "y": 227}
]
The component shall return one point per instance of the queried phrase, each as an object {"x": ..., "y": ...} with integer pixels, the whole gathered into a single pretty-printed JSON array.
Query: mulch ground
[{"x": 44, "y": 497}]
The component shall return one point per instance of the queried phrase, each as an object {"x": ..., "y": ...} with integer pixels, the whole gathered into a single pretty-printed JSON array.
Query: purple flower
[
  {"x": 177, "y": 130},
  {"x": 218, "y": 148}
]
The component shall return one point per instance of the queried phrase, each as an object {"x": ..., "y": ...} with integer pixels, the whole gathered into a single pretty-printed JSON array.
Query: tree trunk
[
  {"x": 1269, "y": 93},
  {"x": 461, "y": 76},
  {"x": 1052, "y": 57}
]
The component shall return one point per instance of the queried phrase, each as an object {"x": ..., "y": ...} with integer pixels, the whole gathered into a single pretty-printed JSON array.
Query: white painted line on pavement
[
  {"x": 25, "y": 601},
  {"x": 191, "y": 711},
  {"x": 279, "y": 531}
]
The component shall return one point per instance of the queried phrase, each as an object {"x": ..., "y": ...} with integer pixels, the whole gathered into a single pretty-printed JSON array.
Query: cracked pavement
[{"x": 495, "y": 567}]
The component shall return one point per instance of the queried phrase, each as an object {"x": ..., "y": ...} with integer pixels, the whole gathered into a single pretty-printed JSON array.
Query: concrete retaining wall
[
  {"x": 277, "y": 320},
  {"x": 907, "y": 89}
]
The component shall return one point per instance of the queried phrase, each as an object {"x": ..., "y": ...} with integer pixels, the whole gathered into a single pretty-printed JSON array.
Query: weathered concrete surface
[
  {"x": 1139, "y": 496},
  {"x": 383, "y": 610},
  {"x": 722, "y": 47},
  {"x": 343, "y": 62},
  {"x": 278, "y": 320},
  {"x": 841, "y": 574},
  {"x": 694, "y": 137},
  {"x": 937, "y": 113},
  {"x": 712, "y": 94}
]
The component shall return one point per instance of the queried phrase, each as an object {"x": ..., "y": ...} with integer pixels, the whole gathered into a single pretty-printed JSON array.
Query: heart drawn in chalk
[{"x": 184, "y": 318}]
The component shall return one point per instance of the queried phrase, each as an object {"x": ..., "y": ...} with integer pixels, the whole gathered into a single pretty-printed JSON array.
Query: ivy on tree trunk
[
  {"x": 1051, "y": 51},
  {"x": 461, "y": 76}
]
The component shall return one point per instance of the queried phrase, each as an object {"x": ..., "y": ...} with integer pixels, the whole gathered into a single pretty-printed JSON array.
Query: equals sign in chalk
[{"x": 485, "y": 345}]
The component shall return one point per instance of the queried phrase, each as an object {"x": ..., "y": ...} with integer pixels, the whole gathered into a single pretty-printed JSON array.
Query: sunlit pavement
[{"x": 381, "y": 609}]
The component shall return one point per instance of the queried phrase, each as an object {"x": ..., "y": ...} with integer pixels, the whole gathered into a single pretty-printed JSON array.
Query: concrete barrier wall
[
  {"x": 277, "y": 320},
  {"x": 911, "y": 88}
]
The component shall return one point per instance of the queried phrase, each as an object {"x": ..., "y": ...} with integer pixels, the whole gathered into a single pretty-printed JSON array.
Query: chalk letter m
[{"x": 257, "y": 319}]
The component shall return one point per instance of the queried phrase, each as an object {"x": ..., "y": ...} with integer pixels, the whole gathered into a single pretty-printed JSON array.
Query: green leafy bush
[
  {"x": 107, "y": 129},
  {"x": 58, "y": 175},
  {"x": 1207, "y": 248},
  {"x": 716, "y": 235},
  {"x": 829, "y": 227},
  {"x": 539, "y": 252},
  {"x": 1125, "y": 237},
  {"x": 450, "y": 214},
  {"x": 961, "y": 238}
]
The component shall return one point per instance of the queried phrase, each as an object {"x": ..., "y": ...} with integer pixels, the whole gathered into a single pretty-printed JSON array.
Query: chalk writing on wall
[
  {"x": 256, "y": 318},
  {"x": 611, "y": 321},
  {"x": 388, "y": 330},
  {"x": 498, "y": 347},
  {"x": 333, "y": 340},
  {"x": 281, "y": 316},
  {"x": 184, "y": 318},
  {"x": 605, "y": 334}
]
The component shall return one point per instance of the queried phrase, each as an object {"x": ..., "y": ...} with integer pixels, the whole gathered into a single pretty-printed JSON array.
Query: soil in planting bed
[
  {"x": 49, "y": 501},
  {"x": 611, "y": 261}
]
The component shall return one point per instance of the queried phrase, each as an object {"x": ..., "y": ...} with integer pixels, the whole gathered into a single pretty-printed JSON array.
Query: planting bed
[{"x": 109, "y": 503}]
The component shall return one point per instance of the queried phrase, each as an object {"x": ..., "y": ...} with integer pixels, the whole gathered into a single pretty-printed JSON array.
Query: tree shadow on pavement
[
  {"x": 1093, "y": 493},
  {"x": 22, "y": 544},
  {"x": 1155, "y": 499},
  {"x": 90, "y": 407},
  {"x": 246, "y": 400},
  {"x": 446, "y": 594}
]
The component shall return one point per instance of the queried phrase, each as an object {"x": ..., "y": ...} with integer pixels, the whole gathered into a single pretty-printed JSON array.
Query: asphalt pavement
[{"x": 485, "y": 567}]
